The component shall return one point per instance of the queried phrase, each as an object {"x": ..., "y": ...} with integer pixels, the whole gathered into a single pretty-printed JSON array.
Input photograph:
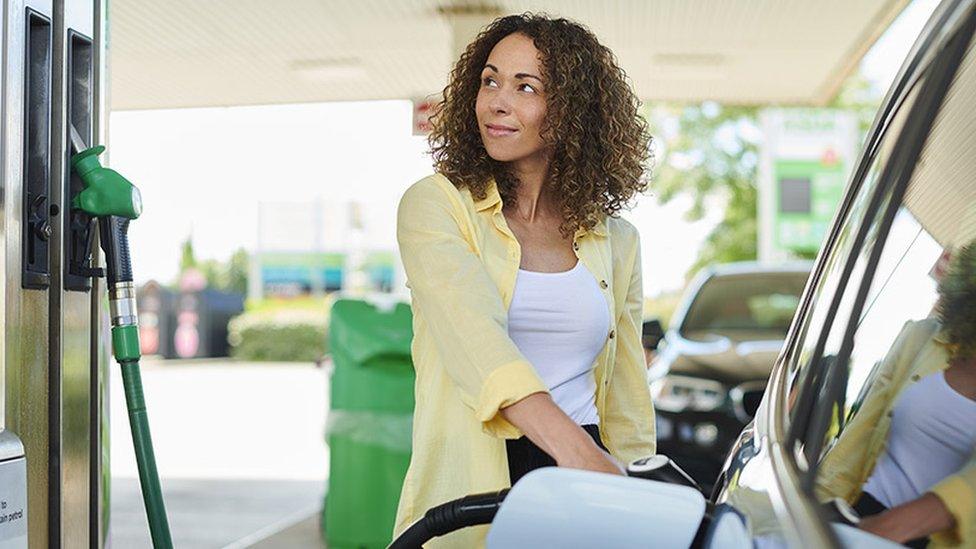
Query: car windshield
[{"x": 759, "y": 303}]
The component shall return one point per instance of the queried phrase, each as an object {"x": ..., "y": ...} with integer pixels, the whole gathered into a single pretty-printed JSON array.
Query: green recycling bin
[{"x": 369, "y": 423}]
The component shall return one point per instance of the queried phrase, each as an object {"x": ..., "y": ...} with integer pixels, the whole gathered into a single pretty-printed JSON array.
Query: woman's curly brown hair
[
  {"x": 601, "y": 145},
  {"x": 957, "y": 303}
]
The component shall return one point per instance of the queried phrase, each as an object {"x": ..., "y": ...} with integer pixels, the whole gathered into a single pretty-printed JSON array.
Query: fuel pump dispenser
[{"x": 114, "y": 202}]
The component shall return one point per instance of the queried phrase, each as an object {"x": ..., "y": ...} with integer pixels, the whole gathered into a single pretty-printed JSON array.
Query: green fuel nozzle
[
  {"x": 106, "y": 191},
  {"x": 114, "y": 201}
]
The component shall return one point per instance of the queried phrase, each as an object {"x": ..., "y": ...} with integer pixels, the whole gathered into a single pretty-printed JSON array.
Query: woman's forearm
[
  {"x": 916, "y": 519},
  {"x": 549, "y": 428}
]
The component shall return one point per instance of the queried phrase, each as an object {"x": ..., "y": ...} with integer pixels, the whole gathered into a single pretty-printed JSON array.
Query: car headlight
[
  {"x": 706, "y": 434},
  {"x": 675, "y": 393}
]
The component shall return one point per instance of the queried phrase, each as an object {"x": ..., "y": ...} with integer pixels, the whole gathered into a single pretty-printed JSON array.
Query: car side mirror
[
  {"x": 652, "y": 333},
  {"x": 661, "y": 468}
]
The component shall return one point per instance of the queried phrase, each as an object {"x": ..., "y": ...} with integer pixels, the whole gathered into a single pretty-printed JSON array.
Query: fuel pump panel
[{"x": 53, "y": 429}]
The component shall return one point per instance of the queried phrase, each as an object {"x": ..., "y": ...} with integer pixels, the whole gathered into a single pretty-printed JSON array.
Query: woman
[
  {"x": 526, "y": 287},
  {"x": 907, "y": 460}
]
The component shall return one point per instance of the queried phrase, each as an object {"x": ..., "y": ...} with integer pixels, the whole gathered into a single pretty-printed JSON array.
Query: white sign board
[{"x": 13, "y": 504}]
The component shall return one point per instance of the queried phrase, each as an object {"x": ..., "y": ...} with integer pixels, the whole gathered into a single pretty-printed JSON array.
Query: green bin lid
[{"x": 362, "y": 331}]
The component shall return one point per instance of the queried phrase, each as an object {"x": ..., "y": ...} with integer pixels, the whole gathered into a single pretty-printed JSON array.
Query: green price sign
[{"x": 807, "y": 194}]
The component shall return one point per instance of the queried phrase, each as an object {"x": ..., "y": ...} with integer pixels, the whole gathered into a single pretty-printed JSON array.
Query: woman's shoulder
[
  {"x": 921, "y": 330},
  {"x": 431, "y": 186},
  {"x": 624, "y": 243},
  {"x": 621, "y": 230},
  {"x": 434, "y": 198},
  {"x": 438, "y": 188}
]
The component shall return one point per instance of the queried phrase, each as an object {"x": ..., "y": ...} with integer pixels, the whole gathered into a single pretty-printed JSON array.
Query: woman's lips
[{"x": 496, "y": 130}]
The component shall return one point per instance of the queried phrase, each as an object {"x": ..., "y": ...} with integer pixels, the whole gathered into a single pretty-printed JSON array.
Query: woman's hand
[
  {"x": 549, "y": 428},
  {"x": 598, "y": 461},
  {"x": 915, "y": 519}
]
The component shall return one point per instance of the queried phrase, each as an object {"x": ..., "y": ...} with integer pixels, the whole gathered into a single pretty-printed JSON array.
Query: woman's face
[{"x": 511, "y": 105}]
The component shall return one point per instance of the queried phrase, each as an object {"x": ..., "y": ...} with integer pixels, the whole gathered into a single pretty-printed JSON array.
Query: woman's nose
[{"x": 499, "y": 103}]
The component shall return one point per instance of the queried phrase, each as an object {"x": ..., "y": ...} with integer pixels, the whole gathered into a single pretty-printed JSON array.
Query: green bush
[{"x": 279, "y": 335}]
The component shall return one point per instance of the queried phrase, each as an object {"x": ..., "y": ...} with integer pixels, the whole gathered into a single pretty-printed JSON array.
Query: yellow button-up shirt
[
  {"x": 461, "y": 261},
  {"x": 917, "y": 352}
]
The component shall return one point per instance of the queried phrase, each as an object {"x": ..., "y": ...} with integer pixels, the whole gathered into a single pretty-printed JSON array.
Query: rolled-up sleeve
[
  {"x": 958, "y": 494},
  {"x": 461, "y": 306},
  {"x": 629, "y": 422}
]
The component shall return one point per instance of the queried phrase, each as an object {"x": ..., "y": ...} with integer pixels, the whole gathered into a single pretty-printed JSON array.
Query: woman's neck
[
  {"x": 533, "y": 197},
  {"x": 961, "y": 376},
  {"x": 964, "y": 363}
]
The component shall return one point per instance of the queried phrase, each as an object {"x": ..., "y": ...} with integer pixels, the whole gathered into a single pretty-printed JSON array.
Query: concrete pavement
[{"x": 239, "y": 447}]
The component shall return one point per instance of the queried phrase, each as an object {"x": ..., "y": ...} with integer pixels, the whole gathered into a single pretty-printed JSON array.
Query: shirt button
[
  {"x": 603, "y": 284},
  {"x": 612, "y": 334}
]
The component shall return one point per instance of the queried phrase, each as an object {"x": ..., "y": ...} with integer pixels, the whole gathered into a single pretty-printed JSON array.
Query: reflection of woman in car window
[{"x": 906, "y": 461}]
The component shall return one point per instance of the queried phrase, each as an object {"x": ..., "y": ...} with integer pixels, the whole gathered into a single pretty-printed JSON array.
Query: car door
[
  {"x": 885, "y": 414},
  {"x": 765, "y": 493}
]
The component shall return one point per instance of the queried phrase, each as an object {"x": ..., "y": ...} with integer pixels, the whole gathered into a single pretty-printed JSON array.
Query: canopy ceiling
[{"x": 192, "y": 53}]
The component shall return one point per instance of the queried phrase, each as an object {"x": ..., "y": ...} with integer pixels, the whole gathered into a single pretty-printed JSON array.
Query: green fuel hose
[
  {"x": 125, "y": 346},
  {"x": 114, "y": 201}
]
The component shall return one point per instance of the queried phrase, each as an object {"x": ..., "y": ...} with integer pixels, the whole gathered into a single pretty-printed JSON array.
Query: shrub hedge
[{"x": 280, "y": 335}]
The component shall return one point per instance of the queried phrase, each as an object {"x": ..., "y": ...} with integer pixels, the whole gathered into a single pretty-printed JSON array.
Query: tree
[
  {"x": 212, "y": 271},
  {"x": 711, "y": 155},
  {"x": 187, "y": 258},
  {"x": 228, "y": 277},
  {"x": 237, "y": 271}
]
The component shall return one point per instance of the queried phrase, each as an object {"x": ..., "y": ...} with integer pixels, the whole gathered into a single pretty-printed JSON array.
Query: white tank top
[
  {"x": 560, "y": 322},
  {"x": 931, "y": 437}
]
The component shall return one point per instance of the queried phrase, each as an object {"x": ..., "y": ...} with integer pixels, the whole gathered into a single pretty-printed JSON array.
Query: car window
[
  {"x": 760, "y": 304},
  {"x": 915, "y": 332},
  {"x": 817, "y": 316}
]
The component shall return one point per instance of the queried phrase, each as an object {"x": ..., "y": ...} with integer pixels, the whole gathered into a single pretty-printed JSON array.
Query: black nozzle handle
[
  {"x": 114, "y": 236},
  {"x": 448, "y": 517}
]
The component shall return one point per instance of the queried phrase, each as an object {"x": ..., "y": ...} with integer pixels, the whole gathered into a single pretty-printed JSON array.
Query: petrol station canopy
[{"x": 188, "y": 53}]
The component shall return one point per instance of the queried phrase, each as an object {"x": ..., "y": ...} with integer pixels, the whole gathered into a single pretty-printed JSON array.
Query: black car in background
[{"x": 712, "y": 364}]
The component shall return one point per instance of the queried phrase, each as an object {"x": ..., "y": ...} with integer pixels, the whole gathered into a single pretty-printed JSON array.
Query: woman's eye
[
  {"x": 488, "y": 81},
  {"x": 526, "y": 87}
]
